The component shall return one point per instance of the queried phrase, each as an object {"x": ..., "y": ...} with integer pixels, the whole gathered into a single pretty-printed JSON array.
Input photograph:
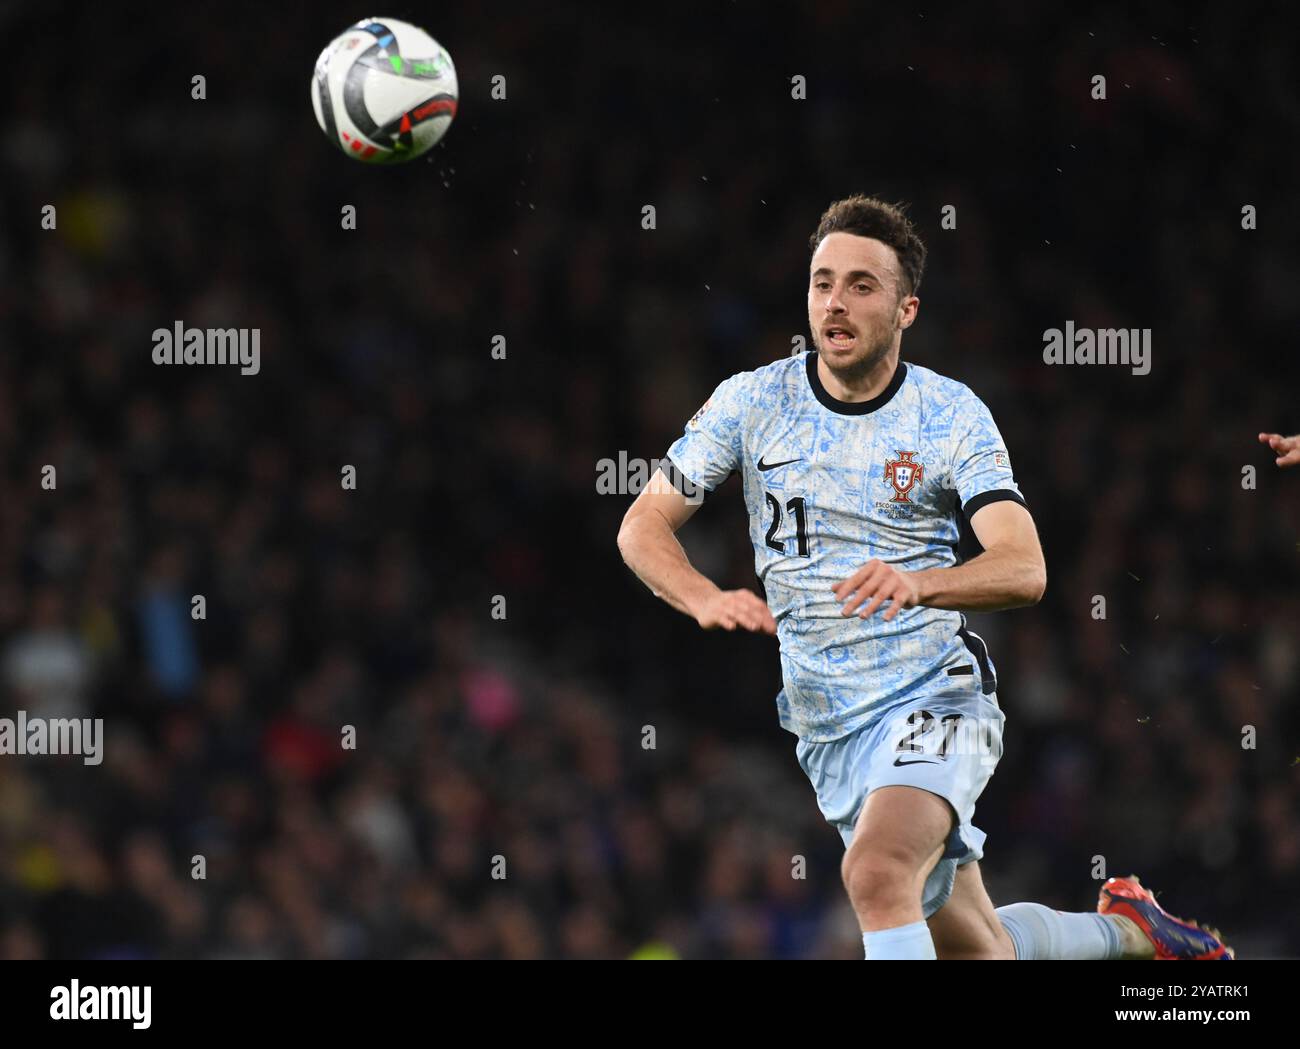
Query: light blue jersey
[{"x": 830, "y": 485}]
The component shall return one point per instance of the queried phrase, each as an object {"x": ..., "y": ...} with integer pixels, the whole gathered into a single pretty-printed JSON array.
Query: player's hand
[
  {"x": 878, "y": 582},
  {"x": 1287, "y": 448},
  {"x": 729, "y": 609}
]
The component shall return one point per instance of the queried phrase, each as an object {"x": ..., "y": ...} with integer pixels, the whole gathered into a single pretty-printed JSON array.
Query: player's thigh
[
  {"x": 901, "y": 826},
  {"x": 967, "y": 926}
]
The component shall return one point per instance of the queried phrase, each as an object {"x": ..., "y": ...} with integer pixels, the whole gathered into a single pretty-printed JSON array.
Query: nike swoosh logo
[
  {"x": 917, "y": 761},
  {"x": 764, "y": 467}
]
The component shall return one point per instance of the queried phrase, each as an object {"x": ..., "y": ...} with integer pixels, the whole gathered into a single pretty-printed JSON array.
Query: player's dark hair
[{"x": 866, "y": 216}]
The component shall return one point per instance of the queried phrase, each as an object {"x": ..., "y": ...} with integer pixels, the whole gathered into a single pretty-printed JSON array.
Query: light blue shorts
[{"x": 948, "y": 743}]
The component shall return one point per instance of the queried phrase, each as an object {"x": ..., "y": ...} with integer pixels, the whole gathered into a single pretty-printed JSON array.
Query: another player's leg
[{"x": 899, "y": 837}]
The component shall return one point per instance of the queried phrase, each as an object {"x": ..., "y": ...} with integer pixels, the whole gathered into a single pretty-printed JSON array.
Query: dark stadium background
[{"x": 480, "y": 737}]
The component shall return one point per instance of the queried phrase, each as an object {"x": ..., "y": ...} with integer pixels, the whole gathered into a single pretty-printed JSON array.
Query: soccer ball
[{"x": 384, "y": 91}]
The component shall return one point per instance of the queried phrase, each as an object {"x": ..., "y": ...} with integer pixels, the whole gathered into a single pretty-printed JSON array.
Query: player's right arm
[{"x": 648, "y": 542}]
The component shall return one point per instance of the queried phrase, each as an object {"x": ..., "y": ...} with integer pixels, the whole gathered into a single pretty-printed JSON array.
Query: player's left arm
[{"x": 1010, "y": 573}]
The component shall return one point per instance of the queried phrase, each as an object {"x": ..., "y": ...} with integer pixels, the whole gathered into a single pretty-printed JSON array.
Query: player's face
[{"x": 855, "y": 311}]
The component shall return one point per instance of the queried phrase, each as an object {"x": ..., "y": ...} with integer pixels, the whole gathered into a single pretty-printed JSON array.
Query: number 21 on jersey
[{"x": 794, "y": 507}]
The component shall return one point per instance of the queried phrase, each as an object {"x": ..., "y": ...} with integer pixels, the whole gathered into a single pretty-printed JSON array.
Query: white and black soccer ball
[{"x": 384, "y": 91}]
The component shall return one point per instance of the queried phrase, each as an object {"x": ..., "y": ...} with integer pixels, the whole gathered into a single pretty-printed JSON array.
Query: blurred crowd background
[{"x": 520, "y": 738}]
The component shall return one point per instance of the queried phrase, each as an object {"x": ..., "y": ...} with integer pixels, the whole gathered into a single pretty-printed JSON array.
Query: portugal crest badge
[{"x": 903, "y": 475}]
